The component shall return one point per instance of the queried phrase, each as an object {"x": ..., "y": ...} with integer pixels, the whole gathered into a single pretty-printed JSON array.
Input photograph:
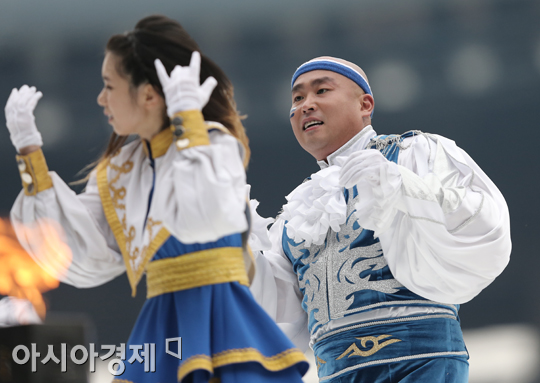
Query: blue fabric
[
  {"x": 365, "y": 299},
  {"x": 209, "y": 319},
  {"x": 412, "y": 339},
  {"x": 440, "y": 370}
]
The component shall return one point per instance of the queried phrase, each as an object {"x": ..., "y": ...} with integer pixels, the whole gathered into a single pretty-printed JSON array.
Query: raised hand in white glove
[
  {"x": 182, "y": 90},
  {"x": 20, "y": 119},
  {"x": 363, "y": 166},
  {"x": 378, "y": 182}
]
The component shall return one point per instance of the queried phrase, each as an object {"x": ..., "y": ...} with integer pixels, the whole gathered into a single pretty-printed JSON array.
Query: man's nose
[{"x": 309, "y": 104}]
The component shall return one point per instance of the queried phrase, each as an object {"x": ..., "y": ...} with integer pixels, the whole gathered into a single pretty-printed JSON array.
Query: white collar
[{"x": 358, "y": 142}]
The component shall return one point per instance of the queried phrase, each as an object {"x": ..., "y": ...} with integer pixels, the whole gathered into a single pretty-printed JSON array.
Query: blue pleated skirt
[{"x": 226, "y": 336}]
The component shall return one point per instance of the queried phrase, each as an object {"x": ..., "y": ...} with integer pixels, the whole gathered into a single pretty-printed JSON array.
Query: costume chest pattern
[{"x": 348, "y": 273}]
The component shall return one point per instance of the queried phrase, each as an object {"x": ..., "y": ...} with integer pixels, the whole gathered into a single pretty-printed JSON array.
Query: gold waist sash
[{"x": 201, "y": 268}]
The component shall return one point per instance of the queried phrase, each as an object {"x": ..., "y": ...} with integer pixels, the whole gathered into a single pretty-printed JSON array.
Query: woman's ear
[{"x": 150, "y": 98}]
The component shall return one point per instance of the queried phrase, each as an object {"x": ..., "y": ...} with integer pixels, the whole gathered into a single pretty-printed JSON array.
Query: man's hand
[
  {"x": 20, "y": 119},
  {"x": 182, "y": 90},
  {"x": 363, "y": 165}
]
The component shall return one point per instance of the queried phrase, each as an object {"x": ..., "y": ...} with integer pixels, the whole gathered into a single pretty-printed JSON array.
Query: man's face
[{"x": 328, "y": 111}]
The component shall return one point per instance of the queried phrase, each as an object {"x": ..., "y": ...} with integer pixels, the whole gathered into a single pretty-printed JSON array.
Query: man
[{"x": 373, "y": 254}]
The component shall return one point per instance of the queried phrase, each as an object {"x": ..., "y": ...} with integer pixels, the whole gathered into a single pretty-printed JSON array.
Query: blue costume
[{"x": 347, "y": 275}]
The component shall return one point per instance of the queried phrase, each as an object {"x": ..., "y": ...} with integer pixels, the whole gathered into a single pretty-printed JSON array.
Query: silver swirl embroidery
[{"x": 334, "y": 270}]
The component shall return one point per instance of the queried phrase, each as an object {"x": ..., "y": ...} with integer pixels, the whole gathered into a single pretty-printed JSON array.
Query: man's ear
[{"x": 367, "y": 103}]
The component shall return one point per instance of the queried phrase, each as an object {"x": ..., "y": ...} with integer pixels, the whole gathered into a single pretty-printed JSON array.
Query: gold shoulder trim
[{"x": 34, "y": 172}]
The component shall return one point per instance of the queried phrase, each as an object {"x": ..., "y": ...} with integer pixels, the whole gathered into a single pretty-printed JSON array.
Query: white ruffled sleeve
[
  {"x": 80, "y": 220},
  {"x": 443, "y": 225},
  {"x": 204, "y": 189},
  {"x": 275, "y": 288}
]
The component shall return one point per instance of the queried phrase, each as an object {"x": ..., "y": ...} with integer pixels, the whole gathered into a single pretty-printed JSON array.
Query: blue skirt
[{"x": 225, "y": 337}]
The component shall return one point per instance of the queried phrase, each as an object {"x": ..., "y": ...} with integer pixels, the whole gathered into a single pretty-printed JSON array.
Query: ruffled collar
[
  {"x": 356, "y": 143},
  {"x": 319, "y": 204}
]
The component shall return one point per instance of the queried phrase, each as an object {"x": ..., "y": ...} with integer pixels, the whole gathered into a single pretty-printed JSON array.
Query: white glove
[
  {"x": 182, "y": 90},
  {"x": 378, "y": 183},
  {"x": 20, "y": 119}
]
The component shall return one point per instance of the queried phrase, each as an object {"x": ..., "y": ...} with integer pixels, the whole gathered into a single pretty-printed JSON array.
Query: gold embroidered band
[
  {"x": 277, "y": 362},
  {"x": 201, "y": 268},
  {"x": 190, "y": 129},
  {"x": 34, "y": 172}
]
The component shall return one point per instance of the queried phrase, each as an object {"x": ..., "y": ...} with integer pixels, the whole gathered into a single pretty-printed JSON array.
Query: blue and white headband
[{"x": 333, "y": 66}]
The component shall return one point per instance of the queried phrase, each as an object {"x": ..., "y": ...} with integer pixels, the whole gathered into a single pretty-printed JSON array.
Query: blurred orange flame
[{"x": 20, "y": 276}]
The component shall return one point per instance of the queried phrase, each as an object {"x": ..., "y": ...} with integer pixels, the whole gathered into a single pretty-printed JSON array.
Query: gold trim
[
  {"x": 195, "y": 129},
  {"x": 112, "y": 219},
  {"x": 195, "y": 362},
  {"x": 218, "y": 126},
  {"x": 277, "y": 362},
  {"x": 160, "y": 143},
  {"x": 35, "y": 166},
  {"x": 119, "y": 228},
  {"x": 353, "y": 349},
  {"x": 200, "y": 268}
]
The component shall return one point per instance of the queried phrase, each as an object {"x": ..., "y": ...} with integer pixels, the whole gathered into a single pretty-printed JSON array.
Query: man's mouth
[{"x": 311, "y": 124}]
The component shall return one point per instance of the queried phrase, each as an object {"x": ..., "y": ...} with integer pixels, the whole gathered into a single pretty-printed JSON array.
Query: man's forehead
[{"x": 318, "y": 77}]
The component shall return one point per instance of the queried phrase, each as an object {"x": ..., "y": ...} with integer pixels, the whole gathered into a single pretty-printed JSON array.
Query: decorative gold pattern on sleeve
[
  {"x": 192, "y": 132},
  {"x": 34, "y": 172},
  {"x": 353, "y": 349}
]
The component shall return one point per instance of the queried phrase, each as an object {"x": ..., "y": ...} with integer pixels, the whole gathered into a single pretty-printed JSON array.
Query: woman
[{"x": 171, "y": 204}]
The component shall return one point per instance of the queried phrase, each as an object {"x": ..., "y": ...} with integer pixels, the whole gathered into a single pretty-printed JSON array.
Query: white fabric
[
  {"x": 315, "y": 206},
  {"x": 443, "y": 226},
  {"x": 275, "y": 288},
  {"x": 199, "y": 196},
  {"x": 20, "y": 119},
  {"x": 258, "y": 234}
]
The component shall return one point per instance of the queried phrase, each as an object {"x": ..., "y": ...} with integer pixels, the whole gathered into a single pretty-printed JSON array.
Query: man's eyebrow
[
  {"x": 106, "y": 78},
  {"x": 314, "y": 83}
]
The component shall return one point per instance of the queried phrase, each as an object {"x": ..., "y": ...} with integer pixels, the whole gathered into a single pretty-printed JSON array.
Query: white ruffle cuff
[{"x": 315, "y": 206}]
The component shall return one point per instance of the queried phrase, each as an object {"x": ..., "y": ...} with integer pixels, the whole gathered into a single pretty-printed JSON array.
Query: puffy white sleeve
[
  {"x": 78, "y": 219},
  {"x": 275, "y": 288},
  {"x": 205, "y": 191},
  {"x": 447, "y": 234}
]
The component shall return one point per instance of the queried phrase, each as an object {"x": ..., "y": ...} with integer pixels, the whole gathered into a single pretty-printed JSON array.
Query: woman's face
[{"x": 127, "y": 108}]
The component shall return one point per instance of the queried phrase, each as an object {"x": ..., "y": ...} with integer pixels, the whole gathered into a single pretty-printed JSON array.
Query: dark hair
[{"x": 158, "y": 37}]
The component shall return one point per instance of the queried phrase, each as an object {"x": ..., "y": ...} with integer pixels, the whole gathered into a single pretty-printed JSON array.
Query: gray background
[{"x": 465, "y": 69}]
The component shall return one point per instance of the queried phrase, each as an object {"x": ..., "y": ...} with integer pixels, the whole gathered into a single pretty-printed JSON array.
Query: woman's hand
[
  {"x": 20, "y": 119},
  {"x": 182, "y": 90}
]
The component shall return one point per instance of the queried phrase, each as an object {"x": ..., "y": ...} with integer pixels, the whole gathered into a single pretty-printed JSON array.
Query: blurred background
[{"x": 465, "y": 69}]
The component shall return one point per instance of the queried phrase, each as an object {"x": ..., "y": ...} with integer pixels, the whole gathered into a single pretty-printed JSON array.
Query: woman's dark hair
[{"x": 158, "y": 37}]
